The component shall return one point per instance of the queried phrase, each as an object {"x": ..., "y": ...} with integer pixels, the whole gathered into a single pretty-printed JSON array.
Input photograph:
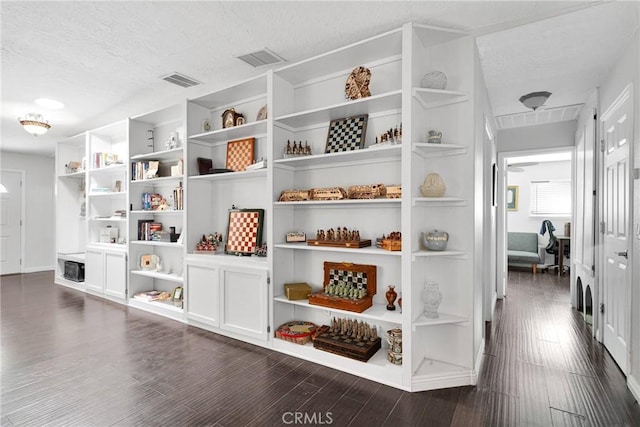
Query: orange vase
[{"x": 391, "y": 296}]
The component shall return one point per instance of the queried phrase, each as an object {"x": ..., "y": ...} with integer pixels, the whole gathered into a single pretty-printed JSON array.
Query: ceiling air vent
[
  {"x": 180, "y": 80},
  {"x": 261, "y": 58}
]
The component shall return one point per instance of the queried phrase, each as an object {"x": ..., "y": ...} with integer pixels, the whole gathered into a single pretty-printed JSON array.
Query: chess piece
[
  {"x": 288, "y": 150},
  {"x": 391, "y": 296}
]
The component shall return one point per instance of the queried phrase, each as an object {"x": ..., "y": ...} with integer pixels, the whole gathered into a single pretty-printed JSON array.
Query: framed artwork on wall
[
  {"x": 244, "y": 232},
  {"x": 512, "y": 198}
]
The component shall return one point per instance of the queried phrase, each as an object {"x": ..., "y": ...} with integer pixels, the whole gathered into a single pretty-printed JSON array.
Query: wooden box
[
  {"x": 297, "y": 291},
  {"x": 354, "y": 244},
  {"x": 346, "y": 346},
  {"x": 394, "y": 192},
  {"x": 355, "y": 275},
  {"x": 391, "y": 244}
]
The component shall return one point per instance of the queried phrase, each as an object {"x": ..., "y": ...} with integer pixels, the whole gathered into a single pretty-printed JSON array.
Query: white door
[
  {"x": 115, "y": 274},
  {"x": 617, "y": 125},
  {"x": 244, "y": 297},
  {"x": 10, "y": 223}
]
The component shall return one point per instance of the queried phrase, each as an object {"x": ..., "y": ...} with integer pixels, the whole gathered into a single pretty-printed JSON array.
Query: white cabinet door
[
  {"x": 94, "y": 271},
  {"x": 244, "y": 295},
  {"x": 202, "y": 294},
  {"x": 115, "y": 274}
]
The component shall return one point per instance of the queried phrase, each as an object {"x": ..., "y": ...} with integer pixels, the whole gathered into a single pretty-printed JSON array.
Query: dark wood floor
[{"x": 73, "y": 359}]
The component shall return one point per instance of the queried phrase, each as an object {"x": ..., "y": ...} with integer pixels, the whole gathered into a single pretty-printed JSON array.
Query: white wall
[
  {"x": 551, "y": 135},
  {"x": 39, "y": 193},
  {"x": 521, "y": 220},
  {"x": 626, "y": 70}
]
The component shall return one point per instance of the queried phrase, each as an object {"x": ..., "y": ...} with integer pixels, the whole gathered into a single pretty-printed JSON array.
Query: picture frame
[
  {"x": 512, "y": 198},
  {"x": 244, "y": 231},
  {"x": 176, "y": 294},
  {"x": 346, "y": 134},
  {"x": 240, "y": 154},
  {"x": 149, "y": 262},
  {"x": 204, "y": 166}
]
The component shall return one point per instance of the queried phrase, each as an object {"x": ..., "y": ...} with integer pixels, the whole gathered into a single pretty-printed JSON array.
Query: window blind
[{"x": 551, "y": 198}]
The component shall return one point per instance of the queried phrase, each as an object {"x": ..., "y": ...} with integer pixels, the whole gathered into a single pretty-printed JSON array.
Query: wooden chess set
[
  {"x": 348, "y": 338},
  {"x": 339, "y": 238},
  {"x": 346, "y": 286}
]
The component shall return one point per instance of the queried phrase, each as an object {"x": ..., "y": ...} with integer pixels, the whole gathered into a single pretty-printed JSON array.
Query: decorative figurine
[
  {"x": 433, "y": 186},
  {"x": 391, "y": 296}
]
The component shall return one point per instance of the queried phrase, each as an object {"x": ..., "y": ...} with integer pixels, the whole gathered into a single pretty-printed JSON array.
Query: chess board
[
  {"x": 356, "y": 275},
  {"x": 345, "y": 345},
  {"x": 240, "y": 154},
  {"x": 244, "y": 233},
  {"x": 346, "y": 134}
]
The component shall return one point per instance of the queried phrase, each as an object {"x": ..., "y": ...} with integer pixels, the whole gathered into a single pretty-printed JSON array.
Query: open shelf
[
  {"x": 376, "y": 312},
  {"x": 112, "y": 169},
  {"x": 107, "y": 194},
  {"x": 443, "y": 319},
  {"x": 438, "y": 201},
  {"x": 162, "y": 308},
  {"x": 376, "y": 369},
  {"x": 109, "y": 219},
  {"x": 432, "y": 374},
  {"x": 253, "y": 88},
  {"x": 426, "y": 253},
  {"x": 230, "y": 176},
  {"x": 77, "y": 257},
  {"x": 151, "y": 181},
  {"x": 157, "y": 212},
  {"x": 376, "y": 103},
  {"x": 247, "y": 130},
  {"x": 69, "y": 283},
  {"x": 431, "y": 98},
  {"x": 154, "y": 243},
  {"x": 158, "y": 275},
  {"x": 233, "y": 260},
  {"x": 365, "y": 155},
  {"x": 114, "y": 246},
  {"x": 428, "y": 150},
  {"x": 344, "y": 202},
  {"x": 371, "y": 250},
  {"x": 172, "y": 154},
  {"x": 363, "y": 53},
  {"x": 75, "y": 175}
]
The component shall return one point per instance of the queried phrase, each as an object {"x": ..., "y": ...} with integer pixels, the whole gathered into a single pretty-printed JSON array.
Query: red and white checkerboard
[
  {"x": 240, "y": 154},
  {"x": 243, "y": 232}
]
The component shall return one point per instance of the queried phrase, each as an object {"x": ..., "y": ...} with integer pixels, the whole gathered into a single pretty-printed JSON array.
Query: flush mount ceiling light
[
  {"x": 535, "y": 100},
  {"x": 35, "y": 124}
]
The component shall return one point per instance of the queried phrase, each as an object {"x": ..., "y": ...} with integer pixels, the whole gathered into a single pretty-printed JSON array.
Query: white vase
[{"x": 431, "y": 298}]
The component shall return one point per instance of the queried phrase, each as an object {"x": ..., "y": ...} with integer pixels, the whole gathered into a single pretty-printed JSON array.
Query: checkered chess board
[
  {"x": 346, "y": 134},
  {"x": 239, "y": 154},
  {"x": 243, "y": 232},
  {"x": 355, "y": 279}
]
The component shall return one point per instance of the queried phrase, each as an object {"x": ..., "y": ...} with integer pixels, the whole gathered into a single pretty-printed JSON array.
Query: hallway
[{"x": 72, "y": 359}]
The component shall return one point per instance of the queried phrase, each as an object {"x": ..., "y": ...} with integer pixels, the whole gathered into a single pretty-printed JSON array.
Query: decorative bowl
[
  {"x": 434, "y": 80},
  {"x": 435, "y": 240}
]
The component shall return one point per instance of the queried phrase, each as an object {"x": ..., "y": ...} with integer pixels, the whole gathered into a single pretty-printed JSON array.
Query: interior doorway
[
  {"x": 11, "y": 211},
  {"x": 536, "y": 193}
]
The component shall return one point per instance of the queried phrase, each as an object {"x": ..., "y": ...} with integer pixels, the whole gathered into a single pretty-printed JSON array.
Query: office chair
[{"x": 552, "y": 246}]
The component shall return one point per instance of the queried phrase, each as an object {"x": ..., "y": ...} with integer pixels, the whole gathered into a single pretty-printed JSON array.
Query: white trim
[
  {"x": 23, "y": 219},
  {"x": 634, "y": 387},
  {"x": 617, "y": 103},
  {"x": 478, "y": 365}
]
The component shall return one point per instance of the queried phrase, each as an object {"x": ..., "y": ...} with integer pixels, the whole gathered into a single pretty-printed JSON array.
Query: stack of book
[
  {"x": 144, "y": 170},
  {"x": 147, "y": 227},
  {"x": 178, "y": 193}
]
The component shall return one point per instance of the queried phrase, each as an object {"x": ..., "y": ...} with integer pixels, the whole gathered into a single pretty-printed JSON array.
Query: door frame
[
  {"x": 23, "y": 222},
  {"x": 501, "y": 231}
]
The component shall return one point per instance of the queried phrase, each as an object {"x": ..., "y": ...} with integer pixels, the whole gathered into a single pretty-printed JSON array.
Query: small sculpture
[
  {"x": 357, "y": 85},
  {"x": 433, "y": 186},
  {"x": 434, "y": 80},
  {"x": 431, "y": 298}
]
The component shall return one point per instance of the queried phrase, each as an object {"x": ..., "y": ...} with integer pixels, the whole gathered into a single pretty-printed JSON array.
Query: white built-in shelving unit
[{"x": 243, "y": 297}]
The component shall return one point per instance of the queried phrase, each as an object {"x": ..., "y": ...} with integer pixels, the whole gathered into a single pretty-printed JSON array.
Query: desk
[{"x": 562, "y": 241}]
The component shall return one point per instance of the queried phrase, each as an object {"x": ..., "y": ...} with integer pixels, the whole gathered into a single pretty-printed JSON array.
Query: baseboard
[
  {"x": 37, "y": 269},
  {"x": 478, "y": 364},
  {"x": 634, "y": 387}
]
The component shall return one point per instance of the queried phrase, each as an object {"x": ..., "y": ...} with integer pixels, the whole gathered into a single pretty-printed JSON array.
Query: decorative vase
[
  {"x": 435, "y": 240},
  {"x": 391, "y": 296},
  {"x": 431, "y": 298},
  {"x": 434, "y": 137},
  {"x": 434, "y": 80},
  {"x": 433, "y": 186},
  {"x": 400, "y": 302}
]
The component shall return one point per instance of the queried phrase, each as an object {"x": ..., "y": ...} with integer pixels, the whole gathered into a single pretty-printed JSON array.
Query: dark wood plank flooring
[{"x": 74, "y": 359}]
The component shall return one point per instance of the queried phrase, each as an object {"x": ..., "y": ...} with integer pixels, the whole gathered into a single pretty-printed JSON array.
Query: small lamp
[
  {"x": 535, "y": 100},
  {"x": 35, "y": 124}
]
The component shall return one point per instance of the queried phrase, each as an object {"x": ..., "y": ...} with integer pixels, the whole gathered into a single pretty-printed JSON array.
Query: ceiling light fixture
[
  {"x": 35, "y": 124},
  {"x": 535, "y": 100}
]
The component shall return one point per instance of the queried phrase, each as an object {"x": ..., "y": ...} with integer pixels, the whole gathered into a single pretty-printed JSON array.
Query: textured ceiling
[{"x": 103, "y": 59}]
